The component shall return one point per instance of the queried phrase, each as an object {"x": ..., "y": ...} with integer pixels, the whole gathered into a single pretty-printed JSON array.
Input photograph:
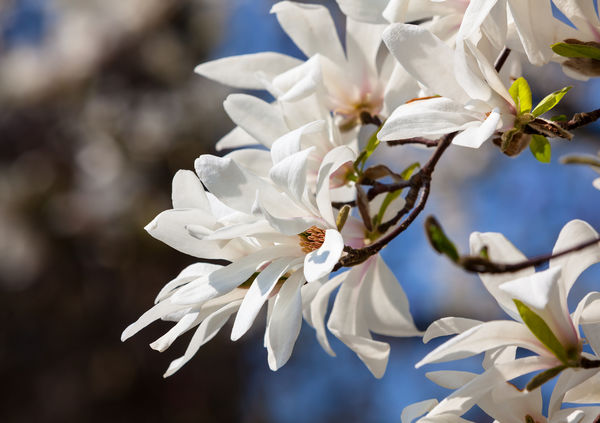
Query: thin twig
[{"x": 501, "y": 59}]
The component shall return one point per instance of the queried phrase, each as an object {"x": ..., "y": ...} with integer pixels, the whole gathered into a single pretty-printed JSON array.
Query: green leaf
[
  {"x": 540, "y": 148},
  {"x": 521, "y": 94},
  {"x": 438, "y": 239},
  {"x": 540, "y": 329},
  {"x": 550, "y": 101},
  {"x": 576, "y": 50},
  {"x": 559, "y": 118},
  {"x": 390, "y": 196},
  {"x": 543, "y": 377},
  {"x": 407, "y": 173}
]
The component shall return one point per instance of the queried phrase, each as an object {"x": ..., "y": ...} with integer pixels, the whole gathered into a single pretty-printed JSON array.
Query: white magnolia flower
[
  {"x": 476, "y": 105},
  {"x": 347, "y": 82},
  {"x": 544, "y": 293}
]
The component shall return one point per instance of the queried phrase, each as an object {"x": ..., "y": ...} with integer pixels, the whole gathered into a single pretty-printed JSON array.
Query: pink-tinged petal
[
  {"x": 426, "y": 58},
  {"x": 320, "y": 263},
  {"x": 386, "y": 306},
  {"x": 235, "y": 138},
  {"x": 475, "y": 136},
  {"x": 543, "y": 294},
  {"x": 257, "y": 294},
  {"x": 332, "y": 161},
  {"x": 431, "y": 117},
  {"x": 449, "y": 326},
  {"x": 188, "y": 192},
  {"x": 150, "y": 316},
  {"x": 231, "y": 184},
  {"x": 318, "y": 309},
  {"x": 205, "y": 332},
  {"x": 461, "y": 400},
  {"x": 227, "y": 278},
  {"x": 499, "y": 250},
  {"x": 576, "y": 232},
  {"x": 363, "y": 11},
  {"x": 311, "y": 27},
  {"x": 484, "y": 337},
  {"x": 284, "y": 322},
  {"x": 258, "y": 118},
  {"x": 585, "y": 391},
  {"x": 240, "y": 71},
  {"x": 190, "y": 273},
  {"x": 412, "y": 411},
  {"x": 450, "y": 379}
]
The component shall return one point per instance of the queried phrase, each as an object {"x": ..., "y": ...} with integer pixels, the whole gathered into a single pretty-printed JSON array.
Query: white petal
[
  {"x": 572, "y": 380},
  {"x": 596, "y": 183},
  {"x": 320, "y": 263},
  {"x": 290, "y": 143},
  {"x": 235, "y": 138},
  {"x": 311, "y": 28},
  {"x": 426, "y": 58},
  {"x": 434, "y": 116},
  {"x": 500, "y": 250},
  {"x": 332, "y": 161},
  {"x": 448, "y": 326},
  {"x": 257, "y": 295},
  {"x": 231, "y": 184},
  {"x": 450, "y": 379},
  {"x": 188, "y": 192},
  {"x": 475, "y": 136},
  {"x": 155, "y": 313},
  {"x": 255, "y": 160},
  {"x": 574, "y": 233},
  {"x": 386, "y": 305},
  {"x": 362, "y": 44},
  {"x": 229, "y": 277},
  {"x": 284, "y": 322},
  {"x": 535, "y": 38},
  {"x": 412, "y": 411},
  {"x": 363, "y": 11},
  {"x": 205, "y": 332},
  {"x": 240, "y": 71},
  {"x": 484, "y": 337},
  {"x": 258, "y": 118},
  {"x": 586, "y": 392},
  {"x": 318, "y": 309},
  {"x": 290, "y": 174},
  {"x": 193, "y": 271},
  {"x": 299, "y": 82}
]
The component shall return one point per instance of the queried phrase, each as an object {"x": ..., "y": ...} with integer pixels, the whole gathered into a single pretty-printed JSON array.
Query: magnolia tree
[{"x": 270, "y": 223}]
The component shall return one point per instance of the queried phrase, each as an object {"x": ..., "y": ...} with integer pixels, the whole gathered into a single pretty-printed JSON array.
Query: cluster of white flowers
[{"x": 277, "y": 216}]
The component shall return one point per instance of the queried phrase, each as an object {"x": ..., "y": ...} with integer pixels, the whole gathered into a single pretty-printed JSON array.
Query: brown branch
[
  {"x": 483, "y": 265},
  {"x": 420, "y": 181},
  {"x": 416, "y": 140},
  {"x": 581, "y": 119}
]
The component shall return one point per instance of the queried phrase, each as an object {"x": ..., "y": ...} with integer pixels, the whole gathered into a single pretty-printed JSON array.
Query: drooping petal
[
  {"x": 320, "y": 263},
  {"x": 386, "y": 306},
  {"x": 484, "y": 337},
  {"x": 190, "y": 273},
  {"x": 284, "y": 322},
  {"x": 536, "y": 38},
  {"x": 240, "y": 71},
  {"x": 257, "y": 295},
  {"x": 311, "y": 27},
  {"x": 205, "y": 332},
  {"x": 318, "y": 309},
  {"x": 450, "y": 379},
  {"x": 475, "y": 136}
]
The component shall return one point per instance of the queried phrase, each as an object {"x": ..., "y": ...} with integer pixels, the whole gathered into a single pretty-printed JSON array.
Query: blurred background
[{"x": 99, "y": 107}]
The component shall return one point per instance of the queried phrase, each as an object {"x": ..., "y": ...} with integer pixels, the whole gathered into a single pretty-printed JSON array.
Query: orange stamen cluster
[{"x": 311, "y": 239}]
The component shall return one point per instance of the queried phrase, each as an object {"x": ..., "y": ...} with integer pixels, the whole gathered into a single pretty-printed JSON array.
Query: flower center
[{"x": 311, "y": 239}]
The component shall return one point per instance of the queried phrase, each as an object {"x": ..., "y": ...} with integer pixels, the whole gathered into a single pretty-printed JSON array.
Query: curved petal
[
  {"x": 475, "y": 136},
  {"x": 318, "y": 309},
  {"x": 284, "y": 323},
  {"x": 240, "y": 71},
  {"x": 235, "y": 138},
  {"x": 190, "y": 273},
  {"x": 188, "y": 192},
  {"x": 449, "y": 326},
  {"x": 320, "y": 263},
  {"x": 412, "y": 411}
]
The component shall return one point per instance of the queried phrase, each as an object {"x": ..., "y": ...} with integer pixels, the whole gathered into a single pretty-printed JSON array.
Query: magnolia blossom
[
  {"x": 346, "y": 82},
  {"x": 543, "y": 293},
  {"x": 476, "y": 107}
]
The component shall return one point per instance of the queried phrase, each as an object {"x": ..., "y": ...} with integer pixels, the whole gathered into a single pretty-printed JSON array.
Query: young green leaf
[
  {"x": 540, "y": 148},
  {"x": 549, "y": 102},
  {"x": 390, "y": 196},
  {"x": 576, "y": 50},
  {"x": 543, "y": 377},
  {"x": 521, "y": 94},
  {"x": 540, "y": 329},
  {"x": 559, "y": 118},
  {"x": 407, "y": 173},
  {"x": 438, "y": 239}
]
